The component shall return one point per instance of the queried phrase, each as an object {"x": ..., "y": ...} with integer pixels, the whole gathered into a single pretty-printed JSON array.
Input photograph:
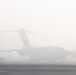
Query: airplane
[{"x": 38, "y": 54}]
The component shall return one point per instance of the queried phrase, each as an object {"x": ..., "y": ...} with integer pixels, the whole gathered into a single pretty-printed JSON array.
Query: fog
[{"x": 52, "y": 23}]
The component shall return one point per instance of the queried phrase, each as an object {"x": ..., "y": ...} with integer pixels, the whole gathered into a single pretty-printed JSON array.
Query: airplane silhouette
[{"x": 39, "y": 53}]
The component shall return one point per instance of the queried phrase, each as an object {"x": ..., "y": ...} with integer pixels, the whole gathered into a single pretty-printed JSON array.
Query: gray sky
[{"x": 53, "y": 21}]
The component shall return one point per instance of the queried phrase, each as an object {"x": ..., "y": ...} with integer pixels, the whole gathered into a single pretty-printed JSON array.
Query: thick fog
[{"x": 50, "y": 25}]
